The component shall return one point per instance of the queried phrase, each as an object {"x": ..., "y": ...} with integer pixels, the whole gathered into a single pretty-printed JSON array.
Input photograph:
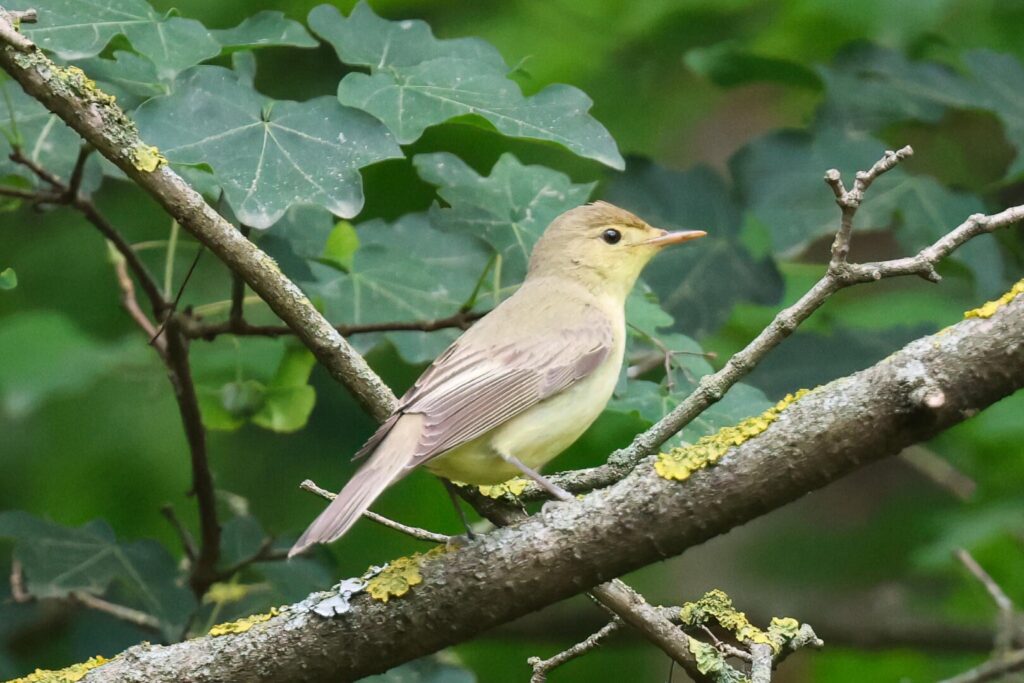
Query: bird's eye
[{"x": 611, "y": 236}]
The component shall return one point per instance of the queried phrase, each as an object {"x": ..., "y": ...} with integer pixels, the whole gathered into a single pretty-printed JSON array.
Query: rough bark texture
[{"x": 930, "y": 385}]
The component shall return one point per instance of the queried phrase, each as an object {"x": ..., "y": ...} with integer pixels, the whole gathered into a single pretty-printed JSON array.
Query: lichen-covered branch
[{"x": 570, "y": 547}]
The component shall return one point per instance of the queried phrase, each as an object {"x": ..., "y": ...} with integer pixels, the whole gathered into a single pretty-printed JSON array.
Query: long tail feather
[{"x": 386, "y": 465}]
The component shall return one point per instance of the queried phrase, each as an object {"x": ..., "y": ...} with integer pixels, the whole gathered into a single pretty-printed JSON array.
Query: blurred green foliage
[{"x": 728, "y": 113}]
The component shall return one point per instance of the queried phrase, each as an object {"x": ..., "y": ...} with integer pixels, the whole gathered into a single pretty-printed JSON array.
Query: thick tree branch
[{"x": 569, "y": 547}]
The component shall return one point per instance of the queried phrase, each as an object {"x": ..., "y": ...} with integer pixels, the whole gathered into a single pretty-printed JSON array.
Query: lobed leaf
[
  {"x": 267, "y": 155},
  {"x": 264, "y": 29},
  {"x": 417, "y": 81}
]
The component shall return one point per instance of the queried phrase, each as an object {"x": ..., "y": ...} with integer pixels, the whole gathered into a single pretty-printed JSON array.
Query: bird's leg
[
  {"x": 557, "y": 491},
  {"x": 453, "y": 493}
]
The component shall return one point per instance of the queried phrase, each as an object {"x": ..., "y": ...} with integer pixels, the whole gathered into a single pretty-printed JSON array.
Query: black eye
[{"x": 611, "y": 236}]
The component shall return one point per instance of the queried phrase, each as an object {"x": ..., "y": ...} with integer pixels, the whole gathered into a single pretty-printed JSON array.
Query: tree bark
[{"x": 928, "y": 386}]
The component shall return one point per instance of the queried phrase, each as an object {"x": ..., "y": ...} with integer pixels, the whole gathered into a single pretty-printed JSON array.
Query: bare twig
[
  {"x": 265, "y": 553},
  {"x": 939, "y": 471},
  {"x": 179, "y": 371},
  {"x": 541, "y": 667},
  {"x": 188, "y": 544},
  {"x": 75, "y": 183},
  {"x": 993, "y": 669},
  {"x": 419, "y": 534},
  {"x": 131, "y": 305},
  {"x": 1006, "y": 623},
  {"x": 132, "y": 616}
]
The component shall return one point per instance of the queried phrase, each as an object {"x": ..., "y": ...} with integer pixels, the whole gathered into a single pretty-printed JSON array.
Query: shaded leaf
[
  {"x": 729, "y": 64},
  {"x": 267, "y": 155},
  {"x": 264, "y": 29},
  {"x": 417, "y": 81},
  {"x": 74, "y": 29},
  {"x": 1000, "y": 82},
  {"x": 58, "y": 560},
  {"x": 407, "y": 270},
  {"x": 509, "y": 209},
  {"x": 698, "y": 283},
  {"x": 868, "y": 87},
  {"x": 42, "y": 137},
  {"x": 241, "y": 537}
]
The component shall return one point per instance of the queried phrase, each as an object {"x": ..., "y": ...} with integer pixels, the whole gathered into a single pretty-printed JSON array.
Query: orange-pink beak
[{"x": 666, "y": 238}]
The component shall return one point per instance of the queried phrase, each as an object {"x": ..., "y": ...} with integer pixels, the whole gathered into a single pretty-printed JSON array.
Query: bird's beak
[{"x": 666, "y": 238}]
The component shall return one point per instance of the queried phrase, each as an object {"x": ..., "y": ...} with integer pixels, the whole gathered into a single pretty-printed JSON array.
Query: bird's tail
[{"x": 386, "y": 465}]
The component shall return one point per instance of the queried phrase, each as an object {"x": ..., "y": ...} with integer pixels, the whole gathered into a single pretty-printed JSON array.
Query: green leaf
[
  {"x": 45, "y": 354},
  {"x": 74, "y": 29},
  {"x": 404, "y": 271},
  {"x": 8, "y": 279},
  {"x": 868, "y": 87},
  {"x": 509, "y": 209},
  {"x": 241, "y": 537},
  {"x": 289, "y": 399},
  {"x": 417, "y": 81},
  {"x": 341, "y": 246},
  {"x": 698, "y": 283},
  {"x": 264, "y": 29},
  {"x": 267, "y": 155},
  {"x": 42, "y": 137},
  {"x": 999, "y": 82},
  {"x": 59, "y": 560},
  {"x": 130, "y": 78},
  {"x": 728, "y": 64}
]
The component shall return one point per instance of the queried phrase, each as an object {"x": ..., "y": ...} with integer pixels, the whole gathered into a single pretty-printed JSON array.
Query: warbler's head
[{"x": 602, "y": 246}]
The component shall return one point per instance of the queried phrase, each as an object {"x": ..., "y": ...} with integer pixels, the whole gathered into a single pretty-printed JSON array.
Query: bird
[{"x": 523, "y": 383}]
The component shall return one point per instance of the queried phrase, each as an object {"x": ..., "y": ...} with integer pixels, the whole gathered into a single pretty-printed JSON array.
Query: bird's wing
[{"x": 475, "y": 386}]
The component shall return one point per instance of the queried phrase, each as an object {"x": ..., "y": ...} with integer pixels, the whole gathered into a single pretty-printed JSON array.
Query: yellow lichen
[
  {"x": 146, "y": 158},
  {"x": 717, "y": 606},
  {"x": 71, "y": 674},
  {"x": 243, "y": 625},
  {"x": 512, "y": 487},
  {"x": 990, "y": 308},
  {"x": 399, "y": 575},
  {"x": 224, "y": 593},
  {"x": 680, "y": 463}
]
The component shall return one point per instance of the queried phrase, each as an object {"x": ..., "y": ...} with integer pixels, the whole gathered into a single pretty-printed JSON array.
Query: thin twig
[
  {"x": 179, "y": 371},
  {"x": 994, "y": 669},
  {"x": 188, "y": 544},
  {"x": 940, "y": 472},
  {"x": 131, "y": 305},
  {"x": 1006, "y": 623},
  {"x": 133, "y": 616},
  {"x": 77, "y": 173},
  {"x": 541, "y": 667},
  {"x": 417, "y": 533},
  {"x": 265, "y": 553}
]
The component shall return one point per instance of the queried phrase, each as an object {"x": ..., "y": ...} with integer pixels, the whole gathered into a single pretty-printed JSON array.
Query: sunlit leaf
[
  {"x": 268, "y": 155},
  {"x": 417, "y": 81},
  {"x": 288, "y": 400}
]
